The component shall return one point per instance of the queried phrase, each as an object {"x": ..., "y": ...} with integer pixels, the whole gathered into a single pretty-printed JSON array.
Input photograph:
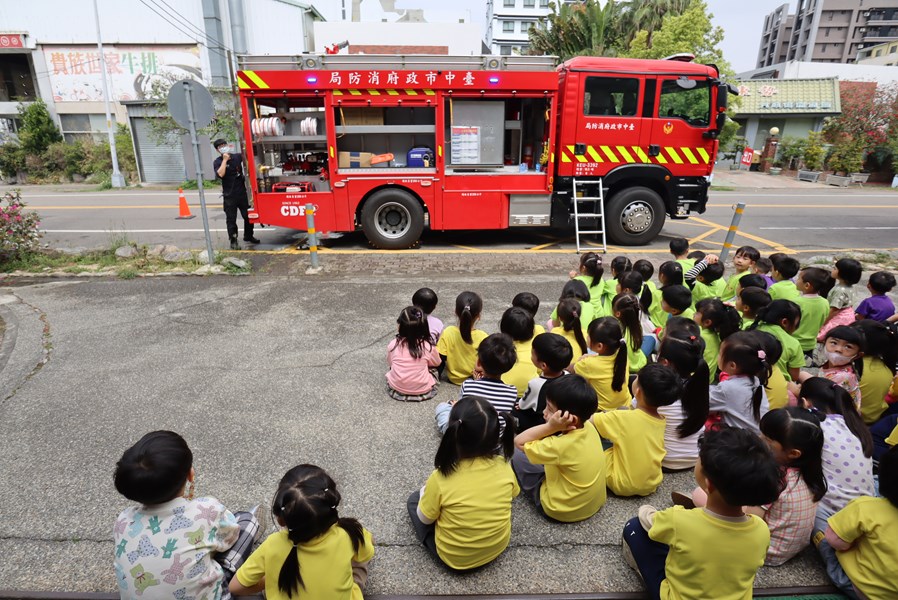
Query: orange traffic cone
[{"x": 183, "y": 209}]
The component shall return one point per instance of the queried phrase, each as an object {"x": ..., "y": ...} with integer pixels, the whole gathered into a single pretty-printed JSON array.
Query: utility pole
[{"x": 118, "y": 181}]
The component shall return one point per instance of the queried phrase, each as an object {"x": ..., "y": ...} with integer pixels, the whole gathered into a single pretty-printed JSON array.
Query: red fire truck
[{"x": 393, "y": 144}]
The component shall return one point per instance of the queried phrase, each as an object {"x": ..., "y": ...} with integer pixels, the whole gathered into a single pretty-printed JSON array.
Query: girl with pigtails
[
  {"x": 607, "y": 370},
  {"x": 458, "y": 343},
  {"x": 317, "y": 553},
  {"x": 462, "y": 515},
  {"x": 739, "y": 398}
]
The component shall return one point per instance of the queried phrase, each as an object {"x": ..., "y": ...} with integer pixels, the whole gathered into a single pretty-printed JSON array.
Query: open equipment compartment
[{"x": 392, "y": 136}]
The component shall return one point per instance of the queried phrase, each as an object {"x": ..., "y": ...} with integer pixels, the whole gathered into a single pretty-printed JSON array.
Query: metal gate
[{"x": 156, "y": 163}]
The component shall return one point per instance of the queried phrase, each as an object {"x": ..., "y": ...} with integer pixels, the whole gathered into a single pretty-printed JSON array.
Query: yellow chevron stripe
[
  {"x": 256, "y": 79},
  {"x": 392, "y": 92},
  {"x": 579, "y": 157},
  {"x": 564, "y": 157},
  {"x": 623, "y": 152},
  {"x": 689, "y": 155},
  {"x": 242, "y": 84},
  {"x": 661, "y": 160},
  {"x": 674, "y": 156},
  {"x": 337, "y": 93},
  {"x": 355, "y": 93},
  {"x": 429, "y": 93},
  {"x": 552, "y": 157},
  {"x": 611, "y": 156},
  {"x": 411, "y": 92},
  {"x": 373, "y": 93},
  {"x": 593, "y": 154},
  {"x": 641, "y": 154},
  {"x": 704, "y": 154}
]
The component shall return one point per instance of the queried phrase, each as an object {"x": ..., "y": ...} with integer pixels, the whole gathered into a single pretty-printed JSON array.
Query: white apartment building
[{"x": 508, "y": 23}]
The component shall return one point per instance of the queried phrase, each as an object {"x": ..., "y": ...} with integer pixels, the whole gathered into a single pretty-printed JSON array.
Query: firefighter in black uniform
[{"x": 229, "y": 168}]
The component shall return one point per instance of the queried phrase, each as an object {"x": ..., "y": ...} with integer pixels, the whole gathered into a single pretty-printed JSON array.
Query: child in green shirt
[
  {"x": 813, "y": 283},
  {"x": 743, "y": 261},
  {"x": 784, "y": 269}
]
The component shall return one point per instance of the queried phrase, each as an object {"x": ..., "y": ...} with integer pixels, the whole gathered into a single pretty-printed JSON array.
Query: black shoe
[
  {"x": 235, "y": 245},
  {"x": 252, "y": 240}
]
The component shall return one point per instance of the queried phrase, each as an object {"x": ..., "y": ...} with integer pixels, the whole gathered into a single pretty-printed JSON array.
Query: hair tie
[
  {"x": 834, "y": 385},
  {"x": 467, "y": 308},
  {"x": 326, "y": 489},
  {"x": 691, "y": 338},
  {"x": 334, "y": 507},
  {"x": 622, "y": 341},
  {"x": 762, "y": 355}
]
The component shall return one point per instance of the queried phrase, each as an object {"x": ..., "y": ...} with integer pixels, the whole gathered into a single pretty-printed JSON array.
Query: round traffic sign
[{"x": 200, "y": 99}]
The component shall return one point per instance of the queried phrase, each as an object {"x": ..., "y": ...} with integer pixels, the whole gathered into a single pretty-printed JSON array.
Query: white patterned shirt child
[
  {"x": 167, "y": 550},
  {"x": 848, "y": 473}
]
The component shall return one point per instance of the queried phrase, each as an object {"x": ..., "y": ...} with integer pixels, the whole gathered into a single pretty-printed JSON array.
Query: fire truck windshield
[{"x": 691, "y": 103}]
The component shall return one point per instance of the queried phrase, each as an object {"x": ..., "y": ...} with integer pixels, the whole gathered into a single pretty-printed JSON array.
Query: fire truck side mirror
[{"x": 722, "y": 97}]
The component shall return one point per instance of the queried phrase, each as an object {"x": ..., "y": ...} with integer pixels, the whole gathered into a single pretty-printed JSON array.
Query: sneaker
[
  {"x": 646, "y": 515},
  {"x": 681, "y": 499},
  {"x": 260, "y": 513},
  {"x": 235, "y": 245},
  {"x": 252, "y": 240}
]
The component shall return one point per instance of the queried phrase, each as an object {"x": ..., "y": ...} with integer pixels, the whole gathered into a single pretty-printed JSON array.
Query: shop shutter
[{"x": 158, "y": 163}]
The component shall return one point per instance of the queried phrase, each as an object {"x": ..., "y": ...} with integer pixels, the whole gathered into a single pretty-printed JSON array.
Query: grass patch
[
  {"x": 127, "y": 273},
  {"x": 191, "y": 184},
  {"x": 102, "y": 261},
  {"x": 722, "y": 188}
]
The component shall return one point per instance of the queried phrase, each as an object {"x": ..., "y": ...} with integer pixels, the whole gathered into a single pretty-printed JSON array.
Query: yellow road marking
[
  {"x": 470, "y": 248},
  {"x": 558, "y": 241},
  {"x": 775, "y": 245},
  {"x": 706, "y": 234}
]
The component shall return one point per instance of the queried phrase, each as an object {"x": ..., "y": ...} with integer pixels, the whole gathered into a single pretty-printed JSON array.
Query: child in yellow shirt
[
  {"x": 715, "y": 551},
  {"x": 458, "y": 344},
  {"x": 560, "y": 464},
  {"x": 518, "y": 324},
  {"x": 607, "y": 370},
  {"x": 637, "y": 436},
  {"x": 863, "y": 539}
]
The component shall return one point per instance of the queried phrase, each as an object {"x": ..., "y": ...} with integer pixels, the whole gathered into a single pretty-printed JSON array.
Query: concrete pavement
[{"x": 259, "y": 374}]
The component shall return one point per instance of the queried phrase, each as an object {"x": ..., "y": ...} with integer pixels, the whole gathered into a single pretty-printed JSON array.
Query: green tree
[
  {"x": 648, "y": 16},
  {"x": 38, "y": 130},
  {"x": 577, "y": 29},
  {"x": 226, "y": 119},
  {"x": 813, "y": 151}
]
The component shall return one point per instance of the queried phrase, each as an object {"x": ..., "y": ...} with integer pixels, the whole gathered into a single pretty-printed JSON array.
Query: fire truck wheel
[
  {"x": 392, "y": 219},
  {"x": 634, "y": 216}
]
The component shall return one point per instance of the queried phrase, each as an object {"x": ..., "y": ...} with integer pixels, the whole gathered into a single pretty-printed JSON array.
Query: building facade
[
  {"x": 885, "y": 54},
  {"x": 508, "y": 24},
  {"x": 146, "y": 46},
  {"x": 830, "y": 31}
]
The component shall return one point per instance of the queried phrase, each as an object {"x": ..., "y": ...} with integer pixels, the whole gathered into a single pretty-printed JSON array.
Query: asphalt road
[
  {"x": 819, "y": 219},
  {"x": 259, "y": 374}
]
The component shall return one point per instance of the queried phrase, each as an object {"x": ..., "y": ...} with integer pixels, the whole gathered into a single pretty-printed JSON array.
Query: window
[
  {"x": 16, "y": 84},
  {"x": 686, "y": 99},
  {"x": 508, "y": 3},
  {"x": 75, "y": 127},
  {"x": 508, "y": 26},
  {"x": 611, "y": 96},
  {"x": 529, "y": 3},
  {"x": 544, "y": 3},
  {"x": 878, "y": 52},
  {"x": 893, "y": 49},
  {"x": 505, "y": 50},
  {"x": 525, "y": 26}
]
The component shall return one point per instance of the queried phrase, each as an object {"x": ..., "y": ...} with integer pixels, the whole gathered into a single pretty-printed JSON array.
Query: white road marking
[{"x": 828, "y": 228}]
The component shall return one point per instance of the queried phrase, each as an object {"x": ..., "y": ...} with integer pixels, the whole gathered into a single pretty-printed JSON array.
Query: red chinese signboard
[
  {"x": 747, "y": 155},
  {"x": 12, "y": 40}
]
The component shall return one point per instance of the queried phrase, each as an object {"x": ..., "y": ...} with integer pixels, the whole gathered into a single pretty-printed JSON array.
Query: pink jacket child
[{"x": 413, "y": 359}]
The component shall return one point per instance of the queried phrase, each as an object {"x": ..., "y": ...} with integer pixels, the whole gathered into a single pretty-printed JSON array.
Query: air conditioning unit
[
  {"x": 867, "y": 15},
  {"x": 863, "y": 30}
]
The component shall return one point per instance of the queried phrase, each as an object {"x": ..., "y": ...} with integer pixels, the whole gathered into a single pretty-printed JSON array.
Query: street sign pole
[{"x": 194, "y": 141}]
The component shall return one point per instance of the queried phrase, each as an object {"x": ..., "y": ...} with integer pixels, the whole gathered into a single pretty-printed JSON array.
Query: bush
[
  {"x": 12, "y": 159},
  {"x": 19, "y": 234},
  {"x": 813, "y": 152},
  {"x": 846, "y": 157},
  {"x": 38, "y": 130}
]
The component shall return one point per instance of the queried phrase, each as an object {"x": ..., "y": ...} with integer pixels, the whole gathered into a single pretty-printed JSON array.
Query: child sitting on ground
[
  {"x": 607, "y": 370},
  {"x": 637, "y": 436},
  {"x": 744, "y": 261},
  {"x": 639, "y": 346},
  {"x": 676, "y": 300},
  {"x": 458, "y": 345},
  {"x": 847, "y": 273},
  {"x": 749, "y": 302},
  {"x": 518, "y": 325},
  {"x": 577, "y": 290},
  {"x": 563, "y": 474},
  {"x": 878, "y": 306},
  {"x": 679, "y": 247},
  {"x": 878, "y": 368},
  {"x": 669, "y": 273},
  {"x": 740, "y": 398},
  {"x": 571, "y": 328},
  {"x": 844, "y": 349},
  {"x": 777, "y": 388},
  {"x": 551, "y": 355},
  {"x": 171, "y": 543},
  {"x": 590, "y": 273},
  {"x": 530, "y": 303},
  {"x": 413, "y": 359},
  {"x": 716, "y": 551},
  {"x": 426, "y": 300},
  {"x": 461, "y": 529},
  {"x": 814, "y": 284},
  {"x": 780, "y": 318},
  {"x": 495, "y": 356},
  {"x": 864, "y": 536},
  {"x": 763, "y": 267},
  {"x": 317, "y": 553},
  {"x": 784, "y": 269},
  {"x": 705, "y": 279},
  {"x": 717, "y": 321}
]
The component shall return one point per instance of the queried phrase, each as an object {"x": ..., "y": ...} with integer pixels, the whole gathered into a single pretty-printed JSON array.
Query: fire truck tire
[
  {"x": 634, "y": 216},
  {"x": 392, "y": 219}
]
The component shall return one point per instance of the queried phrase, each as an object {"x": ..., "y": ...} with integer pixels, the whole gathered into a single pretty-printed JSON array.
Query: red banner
[{"x": 12, "y": 40}]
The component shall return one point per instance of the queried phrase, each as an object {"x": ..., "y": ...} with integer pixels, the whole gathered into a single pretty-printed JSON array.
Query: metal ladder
[{"x": 598, "y": 203}]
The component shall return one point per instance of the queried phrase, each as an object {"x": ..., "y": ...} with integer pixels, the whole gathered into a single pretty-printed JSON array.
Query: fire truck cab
[{"x": 393, "y": 144}]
